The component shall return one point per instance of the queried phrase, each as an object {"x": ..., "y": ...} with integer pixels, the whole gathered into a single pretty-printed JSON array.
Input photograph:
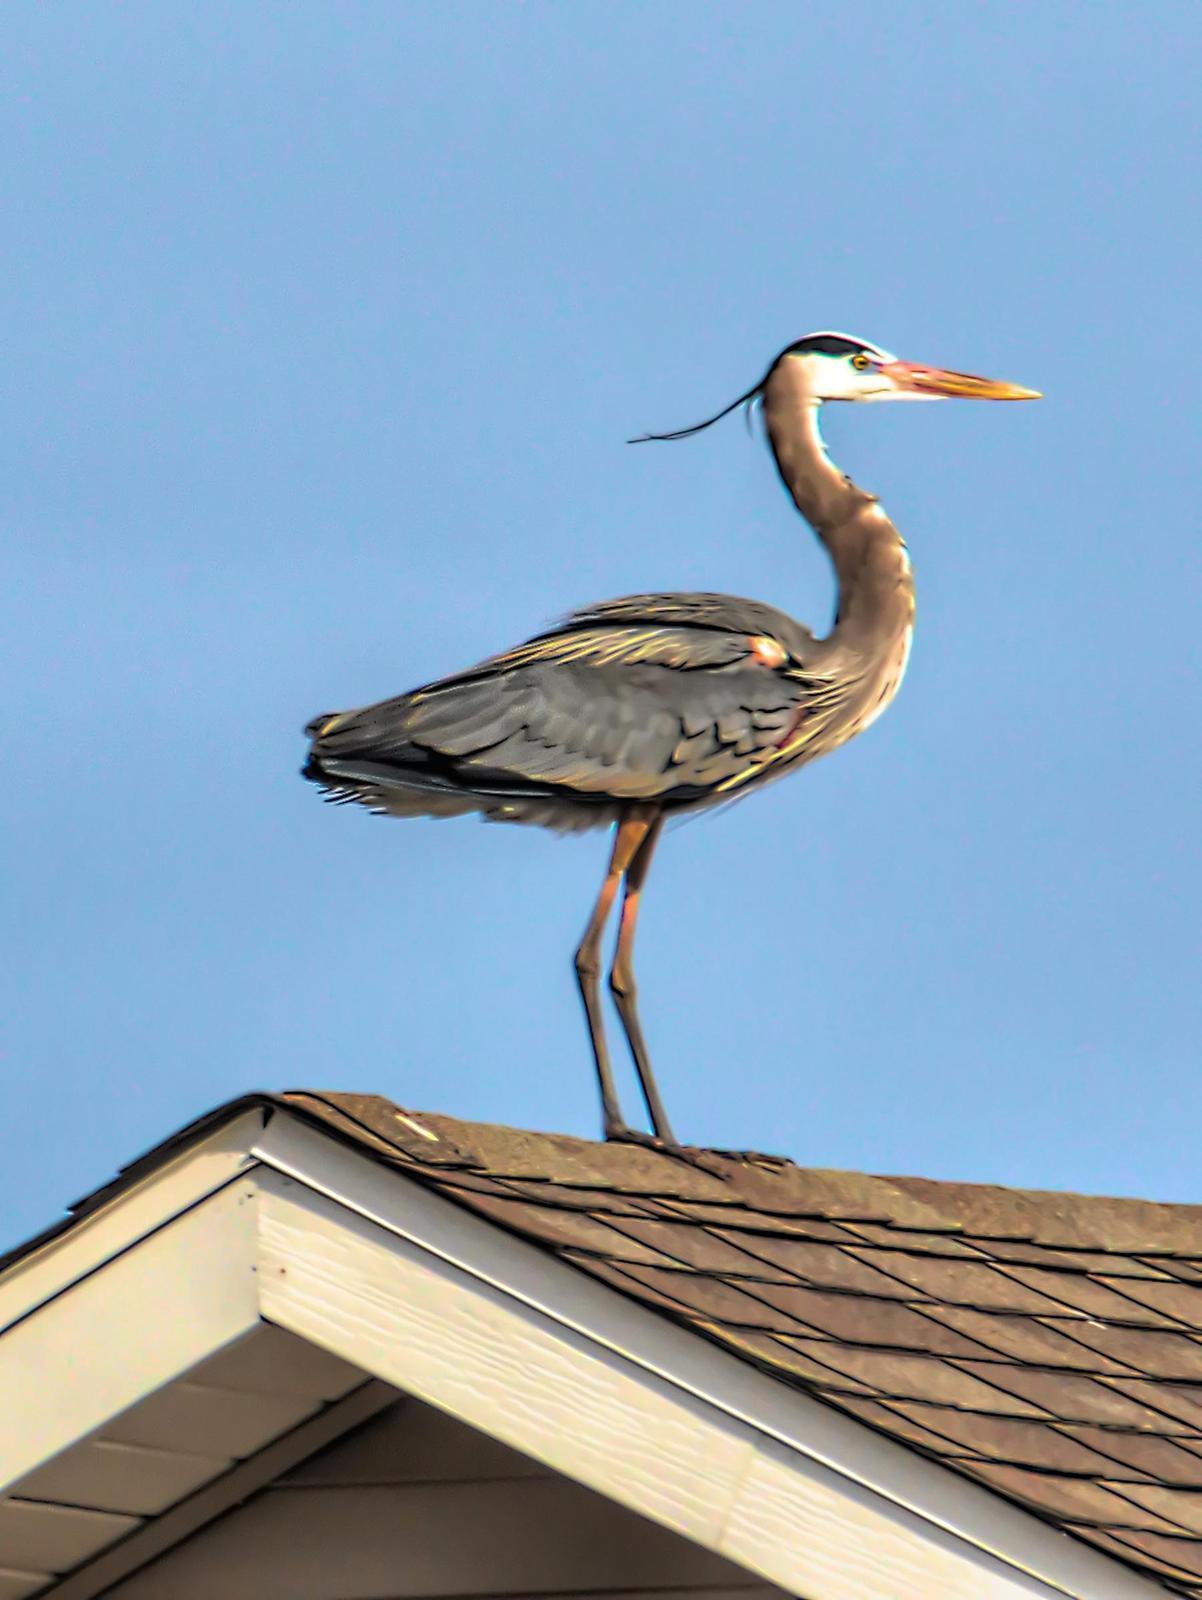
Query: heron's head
[{"x": 835, "y": 366}]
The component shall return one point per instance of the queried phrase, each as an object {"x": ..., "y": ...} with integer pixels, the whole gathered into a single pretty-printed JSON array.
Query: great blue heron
[{"x": 638, "y": 709}]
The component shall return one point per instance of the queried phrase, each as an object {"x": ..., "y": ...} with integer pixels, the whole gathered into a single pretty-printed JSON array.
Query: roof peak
[{"x": 776, "y": 1187}]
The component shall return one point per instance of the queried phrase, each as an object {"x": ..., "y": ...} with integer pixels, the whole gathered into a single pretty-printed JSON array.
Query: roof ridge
[{"x": 779, "y": 1186}]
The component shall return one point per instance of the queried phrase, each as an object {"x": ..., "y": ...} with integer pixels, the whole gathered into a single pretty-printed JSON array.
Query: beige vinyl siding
[{"x": 417, "y": 1506}]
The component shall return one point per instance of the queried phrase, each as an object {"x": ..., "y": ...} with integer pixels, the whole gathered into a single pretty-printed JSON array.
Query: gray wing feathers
[
  {"x": 629, "y": 733},
  {"x": 640, "y": 732},
  {"x": 654, "y": 697},
  {"x": 458, "y": 721},
  {"x": 591, "y": 729}
]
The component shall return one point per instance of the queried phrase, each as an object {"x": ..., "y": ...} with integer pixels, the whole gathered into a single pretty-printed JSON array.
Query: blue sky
[{"x": 323, "y": 326}]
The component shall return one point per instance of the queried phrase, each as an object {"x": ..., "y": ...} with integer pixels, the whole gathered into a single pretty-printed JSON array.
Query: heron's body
[
  {"x": 680, "y": 701},
  {"x": 637, "y": 709}
]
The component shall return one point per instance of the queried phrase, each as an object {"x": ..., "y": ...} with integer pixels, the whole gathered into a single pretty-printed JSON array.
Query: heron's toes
[
  {"x": 619, "y": 1133},
  {"x": 691, "y": 1155}
]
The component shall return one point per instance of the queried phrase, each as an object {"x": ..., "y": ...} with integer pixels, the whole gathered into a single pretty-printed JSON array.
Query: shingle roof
[{"x": 1048, "y": 1345}]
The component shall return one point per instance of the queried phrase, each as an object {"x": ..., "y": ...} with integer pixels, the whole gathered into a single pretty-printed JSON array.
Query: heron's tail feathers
[
  {"x": 367, "y": 747},
  {"x": 367, "y": 756},
  {"x": 378, "y": 731}
]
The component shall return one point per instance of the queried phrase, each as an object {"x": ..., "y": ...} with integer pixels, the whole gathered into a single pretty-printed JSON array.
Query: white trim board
[
  {"x": 393, "y": 1277},
  {"x": 148, "y": 1316},
  {"x": 183, "y": 1179}
]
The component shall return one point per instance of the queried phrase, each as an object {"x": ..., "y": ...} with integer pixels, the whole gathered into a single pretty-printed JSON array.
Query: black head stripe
[{"x": 831, "y": 344}]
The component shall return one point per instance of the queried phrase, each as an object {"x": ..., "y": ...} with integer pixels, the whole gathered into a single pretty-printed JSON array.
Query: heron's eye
[{"x": 861, "y": 362}]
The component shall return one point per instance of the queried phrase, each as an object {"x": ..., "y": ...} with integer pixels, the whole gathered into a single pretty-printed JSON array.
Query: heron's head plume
[
  {"x": 837, "y": 366},
  {"x": 748, "y": 400}
]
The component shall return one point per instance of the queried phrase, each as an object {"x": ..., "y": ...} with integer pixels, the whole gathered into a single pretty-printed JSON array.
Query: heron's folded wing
[{"x": 628, "y": 713}]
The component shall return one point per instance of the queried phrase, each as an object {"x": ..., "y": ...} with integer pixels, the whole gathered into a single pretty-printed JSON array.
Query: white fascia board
[
  {"x": 198, "y": 1170},
  {"x": 168, "y": 1300},
  {"x": 450, "y": 1307}
]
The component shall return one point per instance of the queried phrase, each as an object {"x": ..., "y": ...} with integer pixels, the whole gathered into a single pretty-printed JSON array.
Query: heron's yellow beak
[{"x": 913, "y": 379}]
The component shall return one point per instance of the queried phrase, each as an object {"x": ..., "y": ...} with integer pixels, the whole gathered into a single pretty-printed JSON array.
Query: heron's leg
[
  {"x": 622, "y": 982},
  {"x": 631, "y": 832}
]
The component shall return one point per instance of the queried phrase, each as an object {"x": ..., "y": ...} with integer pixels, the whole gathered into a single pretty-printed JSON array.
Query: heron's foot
[
  {"x": 619, "y": 1133},
  {"x": 716, "y": 1163},
  {"x": 691, "y": 1155},
  {"x": 754, "y": 1158}
]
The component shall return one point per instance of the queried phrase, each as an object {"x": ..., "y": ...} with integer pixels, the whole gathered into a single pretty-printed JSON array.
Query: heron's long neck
[{"x": 875, "y": 588}]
